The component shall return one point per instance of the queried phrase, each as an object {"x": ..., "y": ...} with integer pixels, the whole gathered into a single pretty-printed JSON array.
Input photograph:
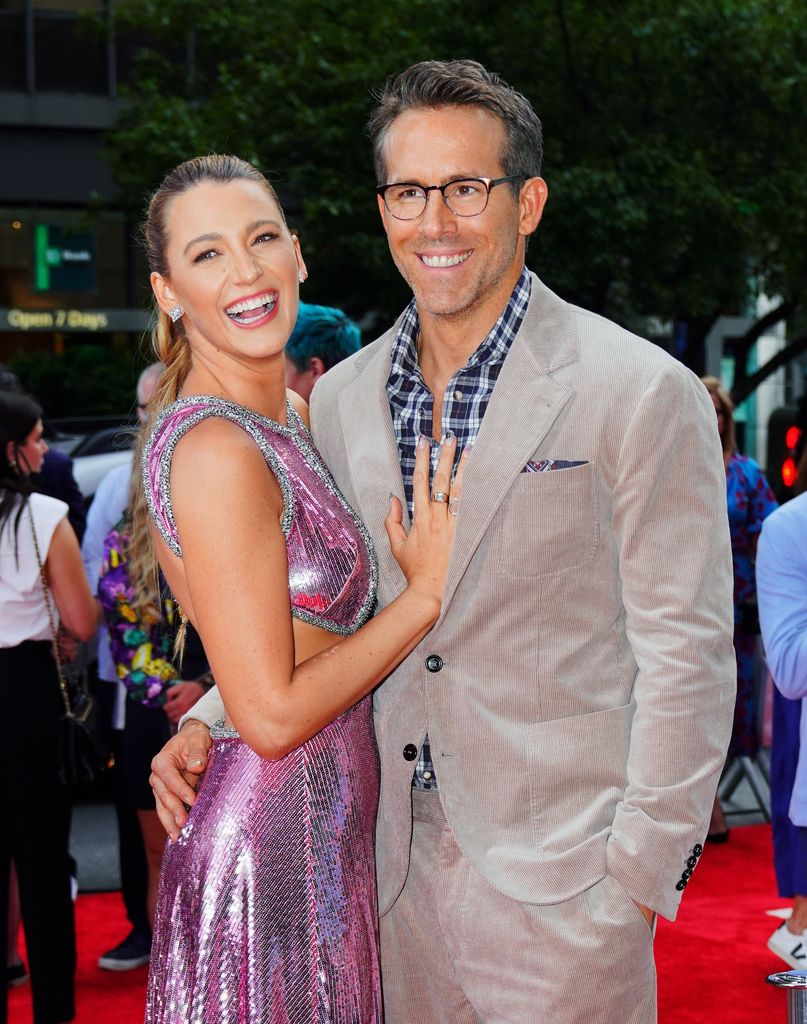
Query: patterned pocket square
[{"x": 544, "y": 465}]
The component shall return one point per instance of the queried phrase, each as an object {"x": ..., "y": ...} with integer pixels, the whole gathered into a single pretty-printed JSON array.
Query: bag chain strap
[{"x": 51, "y": 618}]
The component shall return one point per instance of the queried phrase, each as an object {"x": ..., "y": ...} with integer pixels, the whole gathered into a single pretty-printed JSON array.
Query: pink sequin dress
[{"x": 267, "y": 906}]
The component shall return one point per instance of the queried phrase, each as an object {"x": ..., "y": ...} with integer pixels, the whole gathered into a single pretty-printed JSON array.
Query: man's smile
[{"x": 441, "y": 260}]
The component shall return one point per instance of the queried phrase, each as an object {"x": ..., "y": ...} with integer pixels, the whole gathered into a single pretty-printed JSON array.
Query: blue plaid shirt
[{"x": 464, "y": 403}]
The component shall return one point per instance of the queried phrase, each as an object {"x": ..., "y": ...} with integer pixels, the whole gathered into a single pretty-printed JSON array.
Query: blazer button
[
  {"x": 434, "y": 663},
  {"x": 410, "y": 752},
  {"x": 697, "y": 849},
  {"x": 681, "y": 884},
  {"x": 686, "y": 874},
  {"x": 692, "y": 862}
]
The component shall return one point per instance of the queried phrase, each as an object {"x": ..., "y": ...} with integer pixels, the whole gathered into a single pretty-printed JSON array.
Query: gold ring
[{"x": 440, "y": 496}]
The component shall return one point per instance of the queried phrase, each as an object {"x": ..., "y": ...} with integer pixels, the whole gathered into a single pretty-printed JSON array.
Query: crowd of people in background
[
  {"x": 750, "y": 500},
  {"x": 98, "y": 592}
]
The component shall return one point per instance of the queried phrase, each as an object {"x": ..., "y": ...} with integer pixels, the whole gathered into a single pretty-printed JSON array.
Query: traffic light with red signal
[
  {"x": 785, "y": 443},
  {"x": 792, "y": 445}
]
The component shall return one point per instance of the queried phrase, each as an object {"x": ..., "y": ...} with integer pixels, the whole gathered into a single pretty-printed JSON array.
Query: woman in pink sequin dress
[{"x": 266, "y": 912}]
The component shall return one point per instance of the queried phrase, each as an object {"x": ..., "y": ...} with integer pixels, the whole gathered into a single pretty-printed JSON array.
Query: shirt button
[
  {"x": 434, "y": 663},
  {"x": 410, "y": 752},
  {"x": 427, "y": 776},
  {"x": 457, "y": 396}
]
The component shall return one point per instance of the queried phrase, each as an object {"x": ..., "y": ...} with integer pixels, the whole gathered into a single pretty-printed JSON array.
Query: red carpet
[
  {"x": 712, "y": 962},
  {"x": 102, "y": 997}
]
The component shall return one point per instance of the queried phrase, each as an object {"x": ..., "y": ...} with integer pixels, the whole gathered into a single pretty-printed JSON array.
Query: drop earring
[
  {"x": 301, "y": 277},
  {"x": 175, "y": 312}
]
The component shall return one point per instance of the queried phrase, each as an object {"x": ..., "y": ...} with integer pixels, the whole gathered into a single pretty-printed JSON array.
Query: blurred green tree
[
  {"x": 674, "y": 138},
  {"x": 87, "y": 380}
]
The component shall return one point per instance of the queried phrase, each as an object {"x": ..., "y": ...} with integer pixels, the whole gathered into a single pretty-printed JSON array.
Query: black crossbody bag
[{"x": 84, "y": 740}]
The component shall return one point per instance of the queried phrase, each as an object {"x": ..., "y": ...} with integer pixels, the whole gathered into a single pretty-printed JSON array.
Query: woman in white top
[{"x": 36, "y": 806}]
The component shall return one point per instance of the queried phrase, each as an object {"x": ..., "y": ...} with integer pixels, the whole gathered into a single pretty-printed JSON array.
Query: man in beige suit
[{"x": 550, "y": 752}]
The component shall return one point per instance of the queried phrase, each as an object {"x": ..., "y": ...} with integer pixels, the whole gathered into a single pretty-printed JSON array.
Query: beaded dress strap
[{"x": 171, "y": 426}]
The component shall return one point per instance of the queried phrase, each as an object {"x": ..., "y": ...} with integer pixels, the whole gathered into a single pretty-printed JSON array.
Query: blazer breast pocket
[{"x": 548, "y": 523}]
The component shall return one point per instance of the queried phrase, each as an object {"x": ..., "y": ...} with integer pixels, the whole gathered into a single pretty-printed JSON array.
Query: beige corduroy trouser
[{"x": 456, "y": 951}]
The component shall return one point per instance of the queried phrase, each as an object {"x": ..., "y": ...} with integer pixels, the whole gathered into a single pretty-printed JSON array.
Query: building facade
[{"x": 70, "y": 268}]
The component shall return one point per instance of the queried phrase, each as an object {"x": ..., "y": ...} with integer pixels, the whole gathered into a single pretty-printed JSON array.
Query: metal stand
[
  {"x": 796, "y": 984},
  {"x": 754, "y": 771},
  {"x": 755, "y": 774}
]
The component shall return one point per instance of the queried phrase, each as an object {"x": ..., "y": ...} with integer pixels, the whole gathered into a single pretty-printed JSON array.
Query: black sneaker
[
  {"x": 134, "y": 951},
  {"x": 16, "y": 974}
]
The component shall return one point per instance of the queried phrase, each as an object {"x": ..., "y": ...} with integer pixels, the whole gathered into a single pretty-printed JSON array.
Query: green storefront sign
[{"x": 64, "y": 259}]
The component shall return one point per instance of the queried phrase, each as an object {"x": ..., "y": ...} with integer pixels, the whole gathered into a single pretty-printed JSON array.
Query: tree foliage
[
  {"x": 88, "y": 379},
  {"x": 673, "y": 132}
]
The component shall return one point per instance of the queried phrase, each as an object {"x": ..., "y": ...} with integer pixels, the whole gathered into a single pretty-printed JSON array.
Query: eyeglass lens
[{"x": 467, "y": 198}]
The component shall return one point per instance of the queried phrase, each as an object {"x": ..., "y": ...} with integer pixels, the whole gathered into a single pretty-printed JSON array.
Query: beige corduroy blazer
[{"x": 580, "y": 715}]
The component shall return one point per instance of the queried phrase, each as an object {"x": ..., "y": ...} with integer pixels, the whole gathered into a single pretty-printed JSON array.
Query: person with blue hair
[{"x": 322, "y": 337}]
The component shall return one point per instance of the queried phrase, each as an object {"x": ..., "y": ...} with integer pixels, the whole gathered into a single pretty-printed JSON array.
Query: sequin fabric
[
  {"x": 266, "y": 912},
  {"x": 333, "y": 573}
]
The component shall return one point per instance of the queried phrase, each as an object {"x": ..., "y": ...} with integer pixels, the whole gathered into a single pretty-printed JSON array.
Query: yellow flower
[
  {"x": 127, "y": 611},
  {"x": 159, "y": 668},
  {"x": 142, "y": 657}
]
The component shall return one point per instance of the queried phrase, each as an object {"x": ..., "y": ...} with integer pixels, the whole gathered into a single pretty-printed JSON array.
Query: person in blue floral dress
[{"x": 750, "y": 501}]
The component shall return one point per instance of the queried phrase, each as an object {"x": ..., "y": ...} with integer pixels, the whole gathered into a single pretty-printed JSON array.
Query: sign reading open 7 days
[{"x": 77, "y": 320}]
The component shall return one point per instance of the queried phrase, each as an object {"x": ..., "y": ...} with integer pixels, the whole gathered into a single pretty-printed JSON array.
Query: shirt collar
[{"x": 493, "y": 348}]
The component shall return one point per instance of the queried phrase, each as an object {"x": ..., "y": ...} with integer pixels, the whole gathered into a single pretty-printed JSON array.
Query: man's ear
[
  {"x": 533, "y": 197},
  {"x": 11, "y": 452},
  {"x": 163, "y": 293},
  {"x": 316, "y": 367}
]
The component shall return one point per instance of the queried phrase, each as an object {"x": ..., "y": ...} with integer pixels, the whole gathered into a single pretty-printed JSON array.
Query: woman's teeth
[{"x": 257, "y": 306}]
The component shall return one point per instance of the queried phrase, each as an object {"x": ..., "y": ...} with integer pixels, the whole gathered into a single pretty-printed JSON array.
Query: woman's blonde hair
[
  {"x": 169, "y": 343},
  {"x": 142, "y": 565},
  {"x": 728, "y": 437}
]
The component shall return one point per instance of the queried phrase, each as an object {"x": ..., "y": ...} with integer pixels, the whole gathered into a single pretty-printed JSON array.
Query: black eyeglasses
[{"x": 465, "y": 197}]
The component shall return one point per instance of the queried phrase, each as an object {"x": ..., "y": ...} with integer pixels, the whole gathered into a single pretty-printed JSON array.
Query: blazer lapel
[
  {"x": 373, "y": 460},
  {"x": 525, "y": 403}
]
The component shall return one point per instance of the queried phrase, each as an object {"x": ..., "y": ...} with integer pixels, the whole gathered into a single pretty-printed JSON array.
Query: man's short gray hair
[{"x": 433, "y": 84}]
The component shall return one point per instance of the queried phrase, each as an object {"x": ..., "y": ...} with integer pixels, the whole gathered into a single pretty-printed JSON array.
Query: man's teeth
[
  {"x": 445, "y": 261},
  {"x": 244, "y": 307}
]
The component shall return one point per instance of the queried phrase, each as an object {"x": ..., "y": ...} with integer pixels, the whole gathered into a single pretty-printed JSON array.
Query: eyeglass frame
[{"x": 489, "y": 183}]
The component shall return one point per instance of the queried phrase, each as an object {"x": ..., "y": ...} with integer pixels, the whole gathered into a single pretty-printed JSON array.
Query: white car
[
  {"x": 95, "y": 446},
  {"x": 90, "y": 470}
]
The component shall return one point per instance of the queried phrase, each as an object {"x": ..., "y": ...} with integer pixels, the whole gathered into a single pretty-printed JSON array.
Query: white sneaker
[{"x": 791, "y": 948}]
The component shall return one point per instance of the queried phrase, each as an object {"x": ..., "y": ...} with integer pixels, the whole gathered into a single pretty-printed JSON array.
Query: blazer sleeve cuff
[
  {"x": 209, "y": 709},
  {"x": 651, "y": 860}
]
